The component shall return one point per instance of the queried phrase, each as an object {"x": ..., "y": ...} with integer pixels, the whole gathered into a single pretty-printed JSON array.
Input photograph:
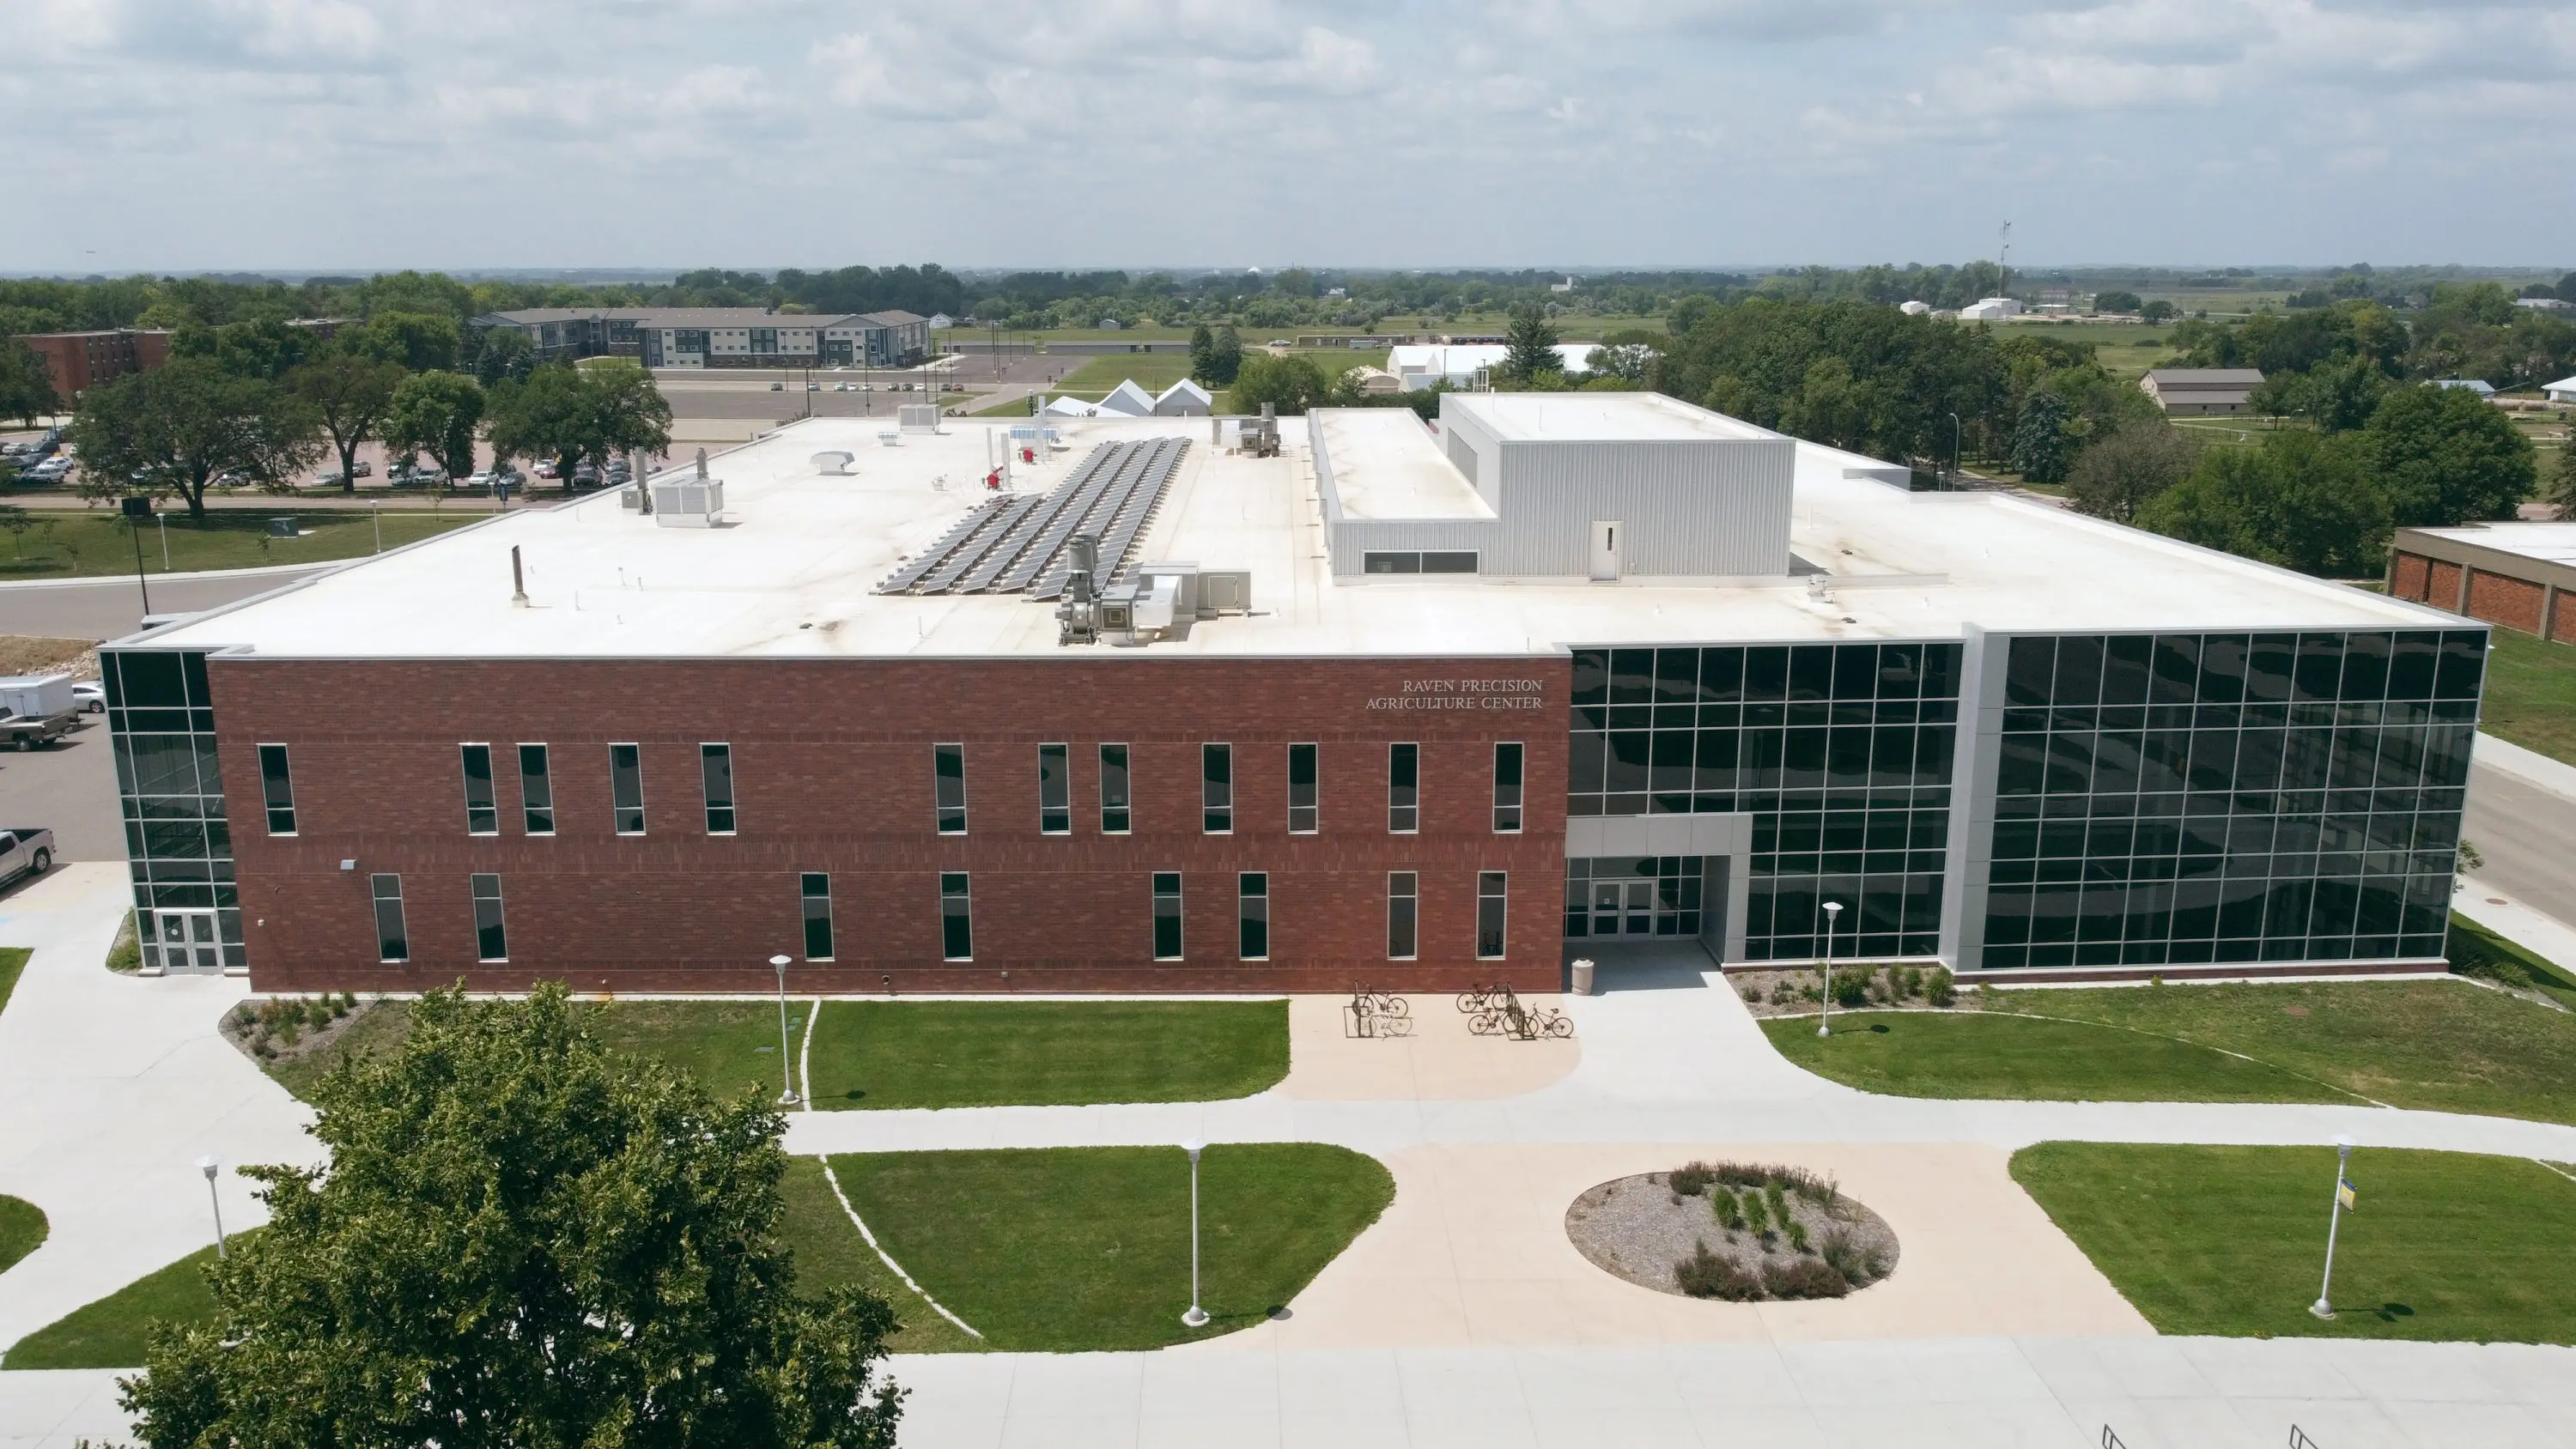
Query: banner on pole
[{"x": 2345, "y": 1197}]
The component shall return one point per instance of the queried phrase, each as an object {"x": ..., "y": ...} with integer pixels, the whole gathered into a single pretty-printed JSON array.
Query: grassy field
[
  {"x": 2437, "y": 1045},
  {"x": 2231, "y": 1240},
  {"x": 831, "y": 1254},
  {"x": 2531, "y": 694},
  {"x": 110, "y": 1332},
  {"x": 2125, "y": 349},
  {"x": 884, "y": 1054},
  {"x": 1079, "y": 1249},
  {"x": 22, "y": 1229},
  {"x": 1153, "y": 371},
  {"x": 13, "y": 962},
  {"x": 50, "y": 545}
]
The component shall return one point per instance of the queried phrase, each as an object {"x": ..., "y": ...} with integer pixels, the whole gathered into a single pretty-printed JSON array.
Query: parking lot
[{"x": 69, "y": 789}]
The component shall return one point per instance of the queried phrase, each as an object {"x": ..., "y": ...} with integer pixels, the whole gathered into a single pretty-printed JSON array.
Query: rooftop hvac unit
[
  {"x": 689, "y": 501},
  {"x": 917, "y": 417},
  {"x": 835, "y": 465}
]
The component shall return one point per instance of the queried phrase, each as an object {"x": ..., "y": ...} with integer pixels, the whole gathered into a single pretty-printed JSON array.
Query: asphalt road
[
  {"x": 112, "y": 607},
  {"x": 2528, "y": 837},
  {"x": 70, "y": 790}
]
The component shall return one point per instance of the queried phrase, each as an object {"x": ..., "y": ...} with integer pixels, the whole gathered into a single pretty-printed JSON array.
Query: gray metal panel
[
  {"x": 1712, "y": 507},
  {"x": 1352, "y": 538}
]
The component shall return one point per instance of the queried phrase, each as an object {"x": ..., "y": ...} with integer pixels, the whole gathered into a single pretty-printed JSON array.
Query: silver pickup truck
[
  {"x": 25, "y": 850},
  {"x": 34, "y": 731}
]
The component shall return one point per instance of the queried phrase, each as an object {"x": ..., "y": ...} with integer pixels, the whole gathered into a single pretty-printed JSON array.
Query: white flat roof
[
  {"x": 1568, "y": 417},
  {"x": 793, "y": 573},
  {"x": 2546, "y": 541},
  {"x": 1386, "y": 464}
]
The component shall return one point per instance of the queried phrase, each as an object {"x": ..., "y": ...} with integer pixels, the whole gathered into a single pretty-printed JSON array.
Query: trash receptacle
[
  {"x": 281, "y": 528},
  {"x": 1583, "y": 978}
]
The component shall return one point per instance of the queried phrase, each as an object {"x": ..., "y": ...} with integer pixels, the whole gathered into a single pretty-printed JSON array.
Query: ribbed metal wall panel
[{"x": 1701, "y": 508}]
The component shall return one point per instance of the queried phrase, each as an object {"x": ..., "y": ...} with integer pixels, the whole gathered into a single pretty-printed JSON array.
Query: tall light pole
[
  {"x": 2323, "y": 1308},
  {"x": 786, "y": 1064},
  {"x": 1825, "y": 1026},
  {"x": 1197, "y": 1316},
  {"x": 209, "y": 1166}
]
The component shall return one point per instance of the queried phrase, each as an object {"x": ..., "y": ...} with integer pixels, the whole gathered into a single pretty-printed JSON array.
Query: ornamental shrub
[
  {"x": 1706, "y": 1275},
  {"x": 1803, "y": 1278}
]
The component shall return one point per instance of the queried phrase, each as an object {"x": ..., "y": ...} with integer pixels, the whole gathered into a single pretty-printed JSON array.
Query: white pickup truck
[
  {"x": 25, "y": 851},
  {"x": 36, "y": 710}
]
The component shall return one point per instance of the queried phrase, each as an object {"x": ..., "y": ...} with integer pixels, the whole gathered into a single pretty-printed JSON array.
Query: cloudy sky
[{"x": 186, "y": 134}]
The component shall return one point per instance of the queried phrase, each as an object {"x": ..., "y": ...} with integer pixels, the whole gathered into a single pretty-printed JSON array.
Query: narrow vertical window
[
  {"x": 491, "y": 939},
  {"x": 1403, "y": 915},
  {"x": 277, "y": 785},
  {"x": 393, "y": 941},
  {"x": 1507, "y": 789},
  {"x": 626, "y": 787},
  {"x": 1493, "y": 901},
  {"x": 948, "y": 768},
  {"x": 482, "y": 807},
  {"x": 715, "y": 766},
  {"x": 1055, "y": 790},
  {"x": 536, "y": 790},
  {"x": 816, "y": 889},
  {"x": 1305, "y": 812},
  {"x": 1167, "y": 915},
  {"x": 1252, "y": 915},
  {"x": 1114, "y": 811},
  {"x": 956, "y": 917},
  {"x": 1403, "y": 789},
  {"x": 1216, "y": 789}
]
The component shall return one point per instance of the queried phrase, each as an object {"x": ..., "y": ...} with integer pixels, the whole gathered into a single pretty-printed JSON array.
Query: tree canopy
[
  {"x": 437, "y": 413},
  {"x": 26, "y": 387},
  {"x": 177, "y": 428},
  {"x": 2298, "y": 499},
  {"x": 2446, "y": 456},
  {"x": 522, "y": 1239},
  {"x": 568, "y": 414},
  {"x": 347, "y": 394}
]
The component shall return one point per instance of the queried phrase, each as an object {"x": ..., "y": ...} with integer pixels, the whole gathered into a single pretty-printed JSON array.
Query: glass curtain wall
[
  {"x": 1840, "y": 752},
  {"x": 161, "y": 729},
  {"x": 2187, "y": 798}
]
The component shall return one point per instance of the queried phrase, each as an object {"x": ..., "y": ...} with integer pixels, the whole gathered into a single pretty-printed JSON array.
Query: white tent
[
  {"x": 1127, "y": 400},
  {"x": 1418, "y": 367},
  {"x": 2561, "y": 391},
  {"x": 1184, "y": 399},
  {"x": 1072, "y": 407},
  {"x": 1990, "y": 309}
]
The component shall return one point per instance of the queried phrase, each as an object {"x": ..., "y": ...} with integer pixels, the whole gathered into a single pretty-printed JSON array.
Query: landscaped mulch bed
[
  {"x": 1732, "y": 1230},
  {"x": 1798, "y": 990}
]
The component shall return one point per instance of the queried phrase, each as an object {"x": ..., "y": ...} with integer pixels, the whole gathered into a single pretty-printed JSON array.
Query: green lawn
[
  {"x": 110, "y": 1332},
  {"x": 2434, "y": 1045},
  {"x": 13, "y": 961},
  {"x": 22, "y": 1229},
  {"x": 831, "y": 1254},
  {"x": 1153, "y": 371},
  {"x": 2231, "y": 1240},
  {"x": 2531, "y": 694},
  {"x": 46, "y": 544},
  {"x": 2477, "y": 951},
  {"x": 880, "y": 1054},
  {"x": 1075, "y": 1249},
  {"x": 883, "y": 1054}
]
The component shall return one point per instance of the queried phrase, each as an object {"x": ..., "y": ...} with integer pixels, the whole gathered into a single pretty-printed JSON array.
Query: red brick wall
[
  {"x": 2500, "y": 599},
  {"x": 2562, "y": 624},
  {"x": 2408, "y": 576},
  {"x": 832, "y": 766},
  {"x": 2442, "y": 591}
]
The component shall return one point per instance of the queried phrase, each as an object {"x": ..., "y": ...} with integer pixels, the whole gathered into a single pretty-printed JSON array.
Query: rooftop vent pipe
[{"x": 518, "y": 581}]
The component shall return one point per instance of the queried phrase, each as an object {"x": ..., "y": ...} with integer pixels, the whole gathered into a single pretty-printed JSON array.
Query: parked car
[
  {"x": 52, "y": 470},
  {"x": 585, "y": 475},
  {"x": 481, "y": 479},
  {"x": 778, "y": 387},
  {"x": 25, "y": 850},
  {"x": 364, "y": 469},
  {"x": 547, "y": 469},
  {"x": 38, "y": 731},
  {"x": 90, "y": 697}
]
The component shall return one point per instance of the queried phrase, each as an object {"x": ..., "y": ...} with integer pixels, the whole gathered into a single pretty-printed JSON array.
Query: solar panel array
[{"x": 1017, "y": 544}]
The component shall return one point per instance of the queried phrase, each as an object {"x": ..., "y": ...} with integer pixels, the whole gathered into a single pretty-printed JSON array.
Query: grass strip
[
  {"x": 13, "y": 964},
  {"x": 2531, "y": 694},
  {"x": 2436, "y": 1045},
  {"x": 831, "y": 1254},
  {"x": 889, "y": 1054},
  {"x": 1083, "y": 1249},
  {"x": 22, "y": 1229},
  {"x": 2231, "y": 1240},
  {"x": 51, "y": 545},
  {"x": 111, "y": 1333}
]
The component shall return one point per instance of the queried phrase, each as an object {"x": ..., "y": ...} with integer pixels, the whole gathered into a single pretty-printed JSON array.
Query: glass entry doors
[
  {"x": 188, "y": 942},
  {"x": 1623, "y": 896}
]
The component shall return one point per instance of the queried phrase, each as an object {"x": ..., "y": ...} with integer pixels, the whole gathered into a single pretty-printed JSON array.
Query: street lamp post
[
  {"x": 2323, "y": 1307},
  {"x": 1954, "y": 450},
  {"x": 1825, "y": 1026},
  {"x": 209, "y": 1166},
  {"x": 786, "y": 1064},
  {"x": 1197, "y": 1316}
]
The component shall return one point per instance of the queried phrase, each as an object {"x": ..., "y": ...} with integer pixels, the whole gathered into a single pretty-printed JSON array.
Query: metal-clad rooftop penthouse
[{"x": 1555, "y": 486}]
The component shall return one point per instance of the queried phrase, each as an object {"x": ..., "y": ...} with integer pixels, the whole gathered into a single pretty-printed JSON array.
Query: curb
[
  {"x": 98, "y": 581},
  {"x": 2529, "y": 766}
]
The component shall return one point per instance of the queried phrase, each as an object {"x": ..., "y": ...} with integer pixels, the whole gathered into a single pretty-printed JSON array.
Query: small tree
[
  {"x": 522, "y": 1238},
  {"x": 26, "y": 385},
  {"x": 1290, "y": 385},
  {"x": 2118, "y": 474},
  {"x": 2042, "y": 450},
  {"x": 349, "y": 394},
  {"x": 437, "y": 413},
  {"x": 505, "y": 355},
  {"x": 1529, "y": 345}
]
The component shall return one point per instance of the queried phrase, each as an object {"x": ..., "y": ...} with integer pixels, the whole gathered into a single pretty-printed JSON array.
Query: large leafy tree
[
  {"x": 348, "y": 394},
  {"x": 438, "y": 413},
  {"x": 522, "y": 1239},
  {"x": 1289, "y": 384},
  {"x": 267, "y": 348},
  {"x": 504, "y": 355},
  {"x": 177, "y": 428},
  {"x": 571, "y": 413},
  {"x": 26, "y": 386},
  {"x": 2446, "y": 456},
  {"x": 419, "y": 341},
  {"x": 1529, "y": 345},
  {"x": 2117, "y": 475},
  {"x": 2299, "y": 499}
]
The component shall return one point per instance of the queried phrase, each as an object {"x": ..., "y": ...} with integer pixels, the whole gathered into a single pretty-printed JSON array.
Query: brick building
[
  {"x": 78, "y": 361},
  {"x": 1422, "y": 708},
  {"x": 2520, "y": 575},
  {"x": 720, "y": 336}
]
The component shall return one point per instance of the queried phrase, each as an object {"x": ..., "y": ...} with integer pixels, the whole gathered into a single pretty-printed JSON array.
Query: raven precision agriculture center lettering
[{"x": 1464, "y": 694}]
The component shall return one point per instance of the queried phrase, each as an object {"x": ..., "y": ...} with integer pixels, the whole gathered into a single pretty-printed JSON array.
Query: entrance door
[
  {"x": 1606, "y": 541},
  {"x": 1641, "y": 908},
  {"x": 188, "y": 941}
]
